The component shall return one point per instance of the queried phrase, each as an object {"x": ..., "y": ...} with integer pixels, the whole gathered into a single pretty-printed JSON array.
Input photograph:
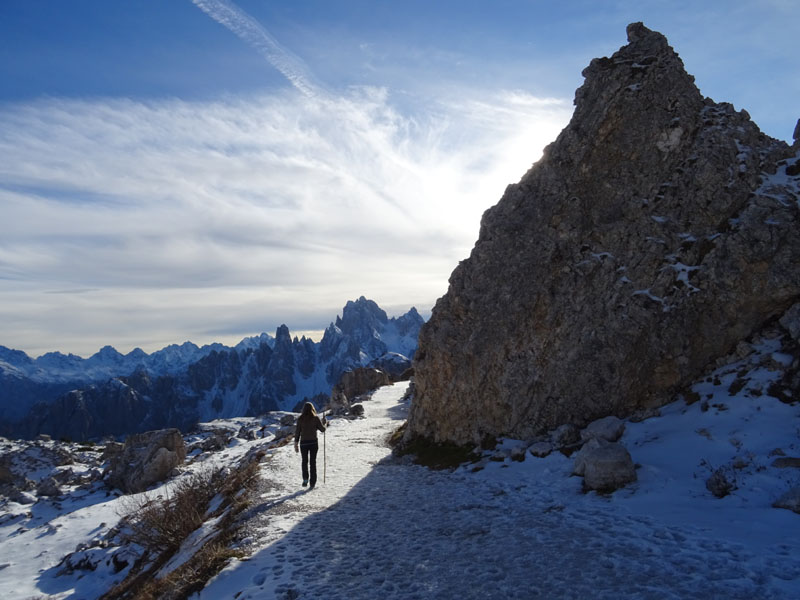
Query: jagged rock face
[{"x": 656, "y": 232}]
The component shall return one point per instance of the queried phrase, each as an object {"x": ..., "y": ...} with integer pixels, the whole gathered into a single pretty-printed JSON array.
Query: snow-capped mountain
[
  {"x": 114, "y": 394},
  {"x": 56, "y": 367},
  {"x": 25, "y": 381}
]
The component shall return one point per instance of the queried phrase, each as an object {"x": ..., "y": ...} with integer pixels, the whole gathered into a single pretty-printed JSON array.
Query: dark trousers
[{"x": 308, "y": 450}]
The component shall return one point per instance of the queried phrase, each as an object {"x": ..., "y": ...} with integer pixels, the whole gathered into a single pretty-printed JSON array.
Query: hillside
[{"x": 496, "y": 528}]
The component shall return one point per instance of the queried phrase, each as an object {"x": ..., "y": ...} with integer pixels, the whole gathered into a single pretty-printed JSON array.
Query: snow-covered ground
[{"x": 380, "y": 526}]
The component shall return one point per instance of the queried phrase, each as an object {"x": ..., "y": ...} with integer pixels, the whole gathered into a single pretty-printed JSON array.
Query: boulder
[
  {"x": 338, "y": 403},
  {"x": 518, "y": 453},
  {"x": 287, "y": 420},
  {"x": 540, "y": 449},
  {"x": 605, "y": 466},
  {"x": 357, "y": 410},
  {"x": 48, "y": 487},
  {"x": 608, "y": 428},
  {"x": 219, "y": 439},
  {"x": 566, "y": 435},
  {"x": 246, "y": 433},
  {"x": 146, "y": 458},
  {"x": 658, "y": 231},
  {"x": 63, "y": 476}
]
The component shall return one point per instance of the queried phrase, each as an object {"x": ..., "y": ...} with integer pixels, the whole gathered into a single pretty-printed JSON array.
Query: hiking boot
[{"x": 305, "y": 482}]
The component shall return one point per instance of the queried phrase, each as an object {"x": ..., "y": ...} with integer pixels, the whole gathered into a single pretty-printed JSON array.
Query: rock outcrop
[
  {"x": 147, "y": 458},
  {"x": 657, "y": 231},
  {"x": 359, "y": 382}
]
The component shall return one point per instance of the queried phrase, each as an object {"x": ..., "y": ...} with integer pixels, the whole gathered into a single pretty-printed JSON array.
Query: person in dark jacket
[{"x": 305, "y": 441}]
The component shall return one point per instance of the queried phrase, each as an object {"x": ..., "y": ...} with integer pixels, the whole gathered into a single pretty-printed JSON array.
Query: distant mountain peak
[{"x": 182, "y": 384}]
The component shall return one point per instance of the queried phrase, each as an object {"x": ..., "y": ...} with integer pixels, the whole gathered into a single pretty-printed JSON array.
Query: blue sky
[{"x": 208, "y": 170}]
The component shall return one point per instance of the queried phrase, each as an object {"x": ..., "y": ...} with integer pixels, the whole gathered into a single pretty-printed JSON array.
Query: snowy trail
[{"x": 380, "y": 527}]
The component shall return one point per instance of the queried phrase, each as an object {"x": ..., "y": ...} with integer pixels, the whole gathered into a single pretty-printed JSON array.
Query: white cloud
[{"x": 177, "y": 215}]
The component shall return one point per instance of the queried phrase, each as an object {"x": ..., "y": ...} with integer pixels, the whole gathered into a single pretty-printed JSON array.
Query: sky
[{"x": 207, "y": 170}]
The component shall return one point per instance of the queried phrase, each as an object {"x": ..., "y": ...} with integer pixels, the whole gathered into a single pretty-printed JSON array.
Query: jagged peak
[
  {"x": 14, "y": 356},
  {"x": 637, "y": 32},
  {"x": 363, "y": 306},
  {"x": 107, "y": 352},
  {"x": 282, "y": 334}
]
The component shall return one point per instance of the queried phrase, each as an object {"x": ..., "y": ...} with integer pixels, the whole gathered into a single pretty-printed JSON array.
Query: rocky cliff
[{"x": 657, "y": 231}]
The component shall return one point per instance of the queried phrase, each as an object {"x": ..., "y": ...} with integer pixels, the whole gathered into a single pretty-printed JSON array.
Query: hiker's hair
[{"x": 308, "y": 411}]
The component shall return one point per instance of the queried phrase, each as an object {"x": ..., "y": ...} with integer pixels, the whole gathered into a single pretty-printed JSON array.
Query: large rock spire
[{"x": 656, "y": 232}]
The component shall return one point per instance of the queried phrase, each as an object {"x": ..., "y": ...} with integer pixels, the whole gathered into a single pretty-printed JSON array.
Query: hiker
[{"x": 305, "y": 441}]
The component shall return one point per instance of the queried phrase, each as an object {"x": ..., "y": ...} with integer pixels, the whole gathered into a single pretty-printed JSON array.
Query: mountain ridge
[{"x": 181, "y": 385}]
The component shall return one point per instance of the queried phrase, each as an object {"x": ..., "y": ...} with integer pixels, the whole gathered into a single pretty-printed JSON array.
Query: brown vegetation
[{"x": 162, "y": 524}]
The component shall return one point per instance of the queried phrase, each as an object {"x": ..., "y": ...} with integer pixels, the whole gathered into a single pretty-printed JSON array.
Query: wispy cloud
[
  {"x": 250, "y": 205},
  {"x": 255, "y": 35}
]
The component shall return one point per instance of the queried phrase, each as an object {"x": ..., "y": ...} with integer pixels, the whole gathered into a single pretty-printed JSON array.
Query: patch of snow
[
  {"x": 648, "y": 294},
  {"x": 780, "y": 186},
  {"x": 682, "y": 273},
  {"x": 192, "y": 544}
]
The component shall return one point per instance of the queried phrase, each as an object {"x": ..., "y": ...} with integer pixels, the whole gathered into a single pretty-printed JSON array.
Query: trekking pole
[{"x": 324, "y": 452}]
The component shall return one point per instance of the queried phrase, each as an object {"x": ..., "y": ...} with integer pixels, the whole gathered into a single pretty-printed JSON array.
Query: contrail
[{"x": 252, "y": 33}]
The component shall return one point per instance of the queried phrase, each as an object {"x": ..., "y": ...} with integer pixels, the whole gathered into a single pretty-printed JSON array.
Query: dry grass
[{"x": 160, "y": 525}]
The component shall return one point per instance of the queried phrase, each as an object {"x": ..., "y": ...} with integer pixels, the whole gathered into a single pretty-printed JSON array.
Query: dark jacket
[{"x": 306, "y": 430}]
